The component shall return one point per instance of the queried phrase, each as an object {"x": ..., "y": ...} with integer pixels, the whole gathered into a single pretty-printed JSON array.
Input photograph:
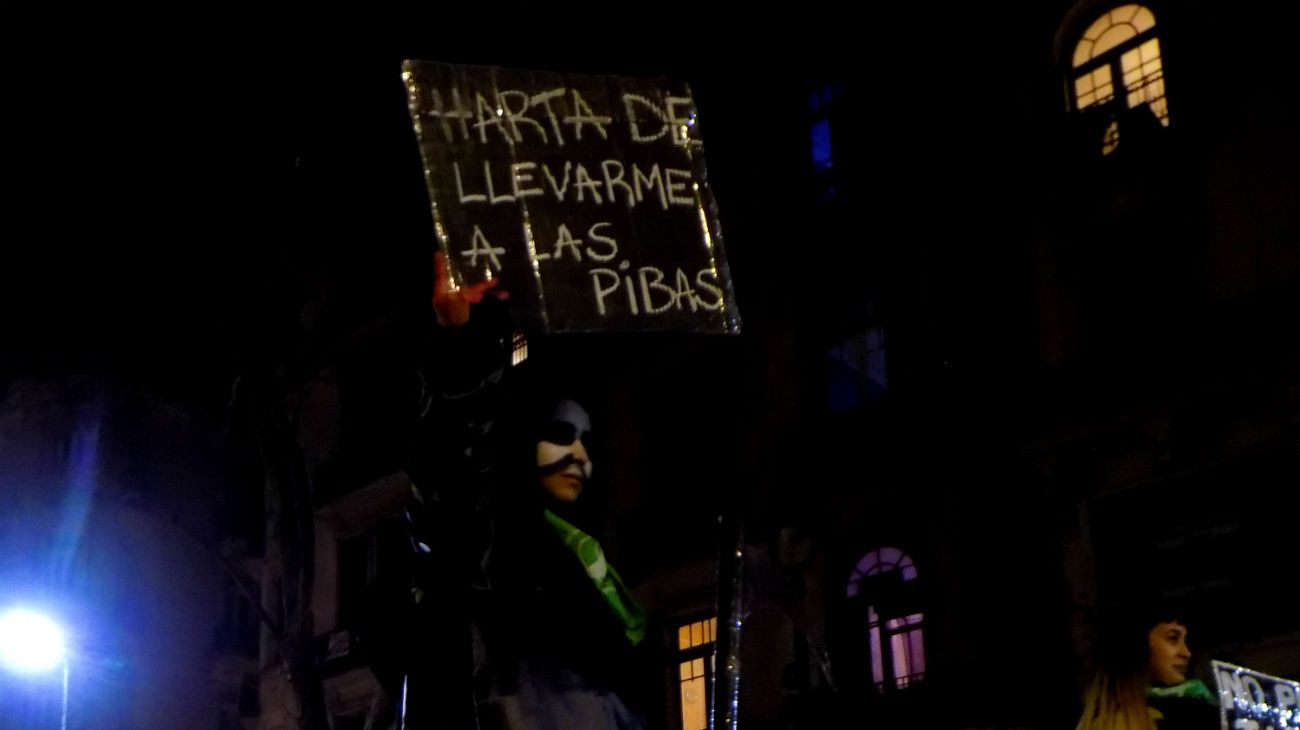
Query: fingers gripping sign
[{"x": 451, "y": 303}]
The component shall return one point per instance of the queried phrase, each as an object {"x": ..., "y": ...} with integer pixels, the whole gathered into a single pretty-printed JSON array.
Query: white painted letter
[
  {"x": 479, "y": 246},
  {"x": 616, "y": 179},
  {"x": 582, "y": 114},
  {"x": 558, "y": 188},
  {"x": 563, "y": 240},
  {"x": 460, "y": 188},
  {"x": 493, "y": 198},
  {"x": 515, "y": 116},
  {"x": 544, "y": 99},
  {"x": 583, "y": 180},
  {"x": 678, "y": 186},
  {"x": 521, "y": 173},
  {"x": 487, "y": 116},
  {"x": 602, "y": 292},
  {"x": 679, "y": 125},
  {"x": 647, "y": 285},
  {"x": 597, "y": 237},
  {"x": 653, "y": 181},
  {"x": 711, "y": 285},
  {"x": 633, "y": 127}
]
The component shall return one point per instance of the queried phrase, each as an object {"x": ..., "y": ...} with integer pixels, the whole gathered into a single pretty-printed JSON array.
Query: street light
[{"x": 30, "y": 643}]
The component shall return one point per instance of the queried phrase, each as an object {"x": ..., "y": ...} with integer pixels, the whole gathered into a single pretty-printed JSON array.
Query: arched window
[
  {"x": 1119, "y": 49},
  {"x": 883, "y": 581}
]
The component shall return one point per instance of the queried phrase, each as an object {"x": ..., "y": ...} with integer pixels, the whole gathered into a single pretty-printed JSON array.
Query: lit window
[
  {"x": 879, "y": 561},
  {"x": 1144, "y": 79},
  {"x": 519, "y": 351},
  {"x": 696, "y": 664},
  {"x": 1120, "y": 45},
  {"x": 897, "y": 641},
  {"x": 823, "y": 109},
  {"x": 1110, "y": 140}
]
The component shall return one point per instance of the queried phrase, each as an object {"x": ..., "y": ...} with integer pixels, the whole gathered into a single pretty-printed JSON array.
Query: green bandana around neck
[{"x": 603, "y": 575}]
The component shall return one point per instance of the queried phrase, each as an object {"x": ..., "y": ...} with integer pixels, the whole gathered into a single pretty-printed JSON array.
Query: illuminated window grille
[
  {"x": 1110, "y": 140},
  {"x": 519, "y": 352},
  {"x": 696, "y": 666},
  {"x": 897, "y": 642},
  {"x": 1120, "y": 45}
]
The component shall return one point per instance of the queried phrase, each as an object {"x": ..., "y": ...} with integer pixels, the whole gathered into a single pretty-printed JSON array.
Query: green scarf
[
  {"x": 1191, "y": 689},
  {"x": 607, "y": 580}
]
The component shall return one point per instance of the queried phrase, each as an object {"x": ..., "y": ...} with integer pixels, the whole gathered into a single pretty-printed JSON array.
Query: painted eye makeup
[{"x": 562, "y": 433}]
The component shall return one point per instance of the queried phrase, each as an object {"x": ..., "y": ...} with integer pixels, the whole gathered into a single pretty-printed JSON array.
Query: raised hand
[{"x": 451, "y": 303}]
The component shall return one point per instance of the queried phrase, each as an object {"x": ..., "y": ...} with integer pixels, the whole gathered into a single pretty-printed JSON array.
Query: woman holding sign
[
  {"x": 520, "y": 621},
  {"x": 1141, "y": 677}
]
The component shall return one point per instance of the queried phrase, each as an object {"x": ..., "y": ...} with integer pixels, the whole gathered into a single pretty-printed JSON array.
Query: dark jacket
[{"x": 490, "y": 598}]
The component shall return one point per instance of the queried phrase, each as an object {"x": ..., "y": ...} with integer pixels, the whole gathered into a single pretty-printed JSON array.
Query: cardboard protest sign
[{"x": 587, "y": 196}]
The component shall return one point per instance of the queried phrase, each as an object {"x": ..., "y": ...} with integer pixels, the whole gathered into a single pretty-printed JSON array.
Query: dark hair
[{"x": 1122, "y": 643}]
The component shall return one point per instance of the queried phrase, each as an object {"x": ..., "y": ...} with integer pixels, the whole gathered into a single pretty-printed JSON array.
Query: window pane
[
  {"x": 898, "y": 646},
  {"x": 694, "y": 708},
  {"x": 697, "y": 667},
  {"x": 1161, "y": 108},
  {"x": 877, "y": 657},
  {"x": 1144, "y": 20},
  {"x": 1101, "y": 79},
  {"x": 916, "y": 646},
  {"x": 684, "y": 637},
  {"x": 1113, "y": 36},
  {"x": 685, "y": 670},
  {"x": 713, "y": 628},
  {"x": 1082, "y": 53},
  {"x": 1149, "y": 50},
  {"x": 1098, "y": 27},
  {"x": 910, "y": 620},
  {"x": 1110, "y": 30},
  {"x": 697, "y": 633},
  {"x": 1124, "y": 13},
  {"x": 1093, "y": 88}
]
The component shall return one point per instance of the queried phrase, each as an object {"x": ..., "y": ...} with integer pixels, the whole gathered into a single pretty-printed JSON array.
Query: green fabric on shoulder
[
  {"x": 1191, "y": 689},
  {"x": 602, "y": 574}
]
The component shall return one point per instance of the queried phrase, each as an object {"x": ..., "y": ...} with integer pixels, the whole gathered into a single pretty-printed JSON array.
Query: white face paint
[{"x": 562, "y": 459}]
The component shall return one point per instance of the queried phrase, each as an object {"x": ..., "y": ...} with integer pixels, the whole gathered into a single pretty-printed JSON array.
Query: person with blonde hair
[{"x": 1140, "y": 681}]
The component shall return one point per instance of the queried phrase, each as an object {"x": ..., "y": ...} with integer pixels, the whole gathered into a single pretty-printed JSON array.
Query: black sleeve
[
  {"x": 417, "y": 632},
  {"x": 457, "y": 459}
]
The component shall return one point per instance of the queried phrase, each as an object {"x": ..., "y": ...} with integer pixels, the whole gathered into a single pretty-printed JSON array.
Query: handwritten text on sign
[{"x": 586, "y": 195}]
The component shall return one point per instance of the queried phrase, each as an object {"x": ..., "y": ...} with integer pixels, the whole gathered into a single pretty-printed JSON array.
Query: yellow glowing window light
[
  {"x": 694, "y": 637},
  {"x": 1106, "y": 49}
]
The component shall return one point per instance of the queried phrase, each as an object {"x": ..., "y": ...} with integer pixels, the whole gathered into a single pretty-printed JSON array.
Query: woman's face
[
  {"x": 562, "y": 460},
  {"x": 1167, "y": 655}
]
